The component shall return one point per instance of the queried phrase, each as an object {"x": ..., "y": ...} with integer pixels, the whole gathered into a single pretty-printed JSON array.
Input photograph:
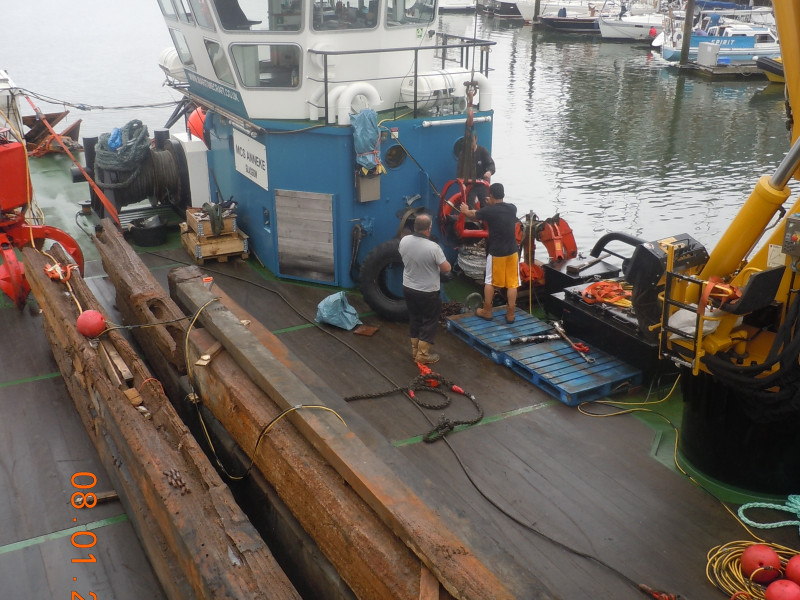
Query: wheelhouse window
[
  {"x": 267, "y": 65},
  {"x": 407, "y": 12},
  {"x": 184, "y": 12},
  {"x": 220, "y": 62},
  {"x": 183, "y": 49},
  {"x": 167, "y": 9},
  {"x": 345, "y": 14},
  {"x": 259, "y": 15},
  {"x": 202, "y": 12}
]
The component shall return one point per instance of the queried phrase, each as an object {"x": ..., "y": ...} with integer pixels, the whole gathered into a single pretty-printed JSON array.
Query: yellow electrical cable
[
  {"x": 264, "y": 431},
  {"x": 724, "y": 569},
  {"x": 261, "y": 436}
]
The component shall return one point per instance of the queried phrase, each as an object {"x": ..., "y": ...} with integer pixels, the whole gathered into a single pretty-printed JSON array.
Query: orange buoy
[
  {"x": 196, "y": 122},
  {"x": 91, "y": 323}
]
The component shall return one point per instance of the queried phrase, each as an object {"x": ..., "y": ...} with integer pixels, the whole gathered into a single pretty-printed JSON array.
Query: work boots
[
  {"x": 485, "y": 312},
  {"x": 424, "y": 354},
  {"x": 414, "y": 346}
]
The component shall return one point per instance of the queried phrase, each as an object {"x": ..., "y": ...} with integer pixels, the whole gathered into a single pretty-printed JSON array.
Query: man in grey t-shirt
[{"x": 423, "y": 262}]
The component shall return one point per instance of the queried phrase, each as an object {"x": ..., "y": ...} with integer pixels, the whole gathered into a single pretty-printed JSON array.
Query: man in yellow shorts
[{"x": 502, "y": 260}]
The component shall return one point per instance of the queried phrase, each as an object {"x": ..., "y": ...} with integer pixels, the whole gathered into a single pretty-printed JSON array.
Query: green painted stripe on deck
[
  {"x": 60, "y": 534},
  {"x": 485, "y": 421},
  {"x": 30, "y": 379},
  {"x": 308, "y": 325}
]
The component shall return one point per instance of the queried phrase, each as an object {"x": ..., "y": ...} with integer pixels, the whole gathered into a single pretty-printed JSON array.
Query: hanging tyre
[{"x": 382, "y": 281}]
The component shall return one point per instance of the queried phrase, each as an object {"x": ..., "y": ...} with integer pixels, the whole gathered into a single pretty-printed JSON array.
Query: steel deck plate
[{"x": 554, "y": 366}]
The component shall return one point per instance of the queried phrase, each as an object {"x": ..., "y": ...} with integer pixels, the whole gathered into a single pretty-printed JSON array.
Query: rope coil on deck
[
  {"x": 436, "y": 383},
  {"x": 792, "y": 505}
]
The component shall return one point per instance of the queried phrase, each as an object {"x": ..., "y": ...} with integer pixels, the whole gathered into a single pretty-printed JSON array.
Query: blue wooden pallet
[{"x": 554, "y": 366}]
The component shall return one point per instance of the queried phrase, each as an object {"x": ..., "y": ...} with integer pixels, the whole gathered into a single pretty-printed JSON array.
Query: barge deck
[{"x": 555, "y": 503}]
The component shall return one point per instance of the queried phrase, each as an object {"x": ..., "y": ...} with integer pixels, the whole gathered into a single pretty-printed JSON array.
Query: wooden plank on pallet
[
  {"x": 459, "y": 571},
  {"x": 197, "y": 539}
]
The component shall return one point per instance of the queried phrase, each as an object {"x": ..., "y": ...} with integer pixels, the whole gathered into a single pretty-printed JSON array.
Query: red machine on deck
[{"x": 15, "y": 196}]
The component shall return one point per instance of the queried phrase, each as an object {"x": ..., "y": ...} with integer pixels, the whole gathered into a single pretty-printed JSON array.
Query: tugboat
[{"x": 330, "y": 125}]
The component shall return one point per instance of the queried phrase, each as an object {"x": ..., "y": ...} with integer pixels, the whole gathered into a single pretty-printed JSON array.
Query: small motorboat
[{"x": 772, "y": 68}]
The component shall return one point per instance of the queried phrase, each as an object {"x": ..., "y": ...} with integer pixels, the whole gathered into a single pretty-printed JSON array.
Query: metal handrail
[{"x": 465, "y": 43}]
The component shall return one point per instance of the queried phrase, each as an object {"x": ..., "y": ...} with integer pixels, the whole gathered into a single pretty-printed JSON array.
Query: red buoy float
[
  {"x": 792, "y": 569},
  {"x": 783, "y": 589},
  {"x": 91, "y": 323},
  {"x": 761, "y": 563}
]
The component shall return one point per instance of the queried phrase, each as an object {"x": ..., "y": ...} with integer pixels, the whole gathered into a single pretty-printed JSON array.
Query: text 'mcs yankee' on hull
[{"x": 329, "y": 124}]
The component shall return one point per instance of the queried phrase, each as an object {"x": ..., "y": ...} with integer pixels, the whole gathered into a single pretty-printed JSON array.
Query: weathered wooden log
[
  {"x": 199, "y": 542},
  {"x": 373, "y": 562},
  {"x": 144, "y": 302},
  {"x": 459, "y": 571},
  {"x": 368, "y": 556}
]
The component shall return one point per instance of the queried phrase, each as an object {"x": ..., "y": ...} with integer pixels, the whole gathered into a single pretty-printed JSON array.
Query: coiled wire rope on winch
[
  {"x": 129, "y": 167},
  {"x": 127, "y": 154},
  {"x": 428, "y": 381}
]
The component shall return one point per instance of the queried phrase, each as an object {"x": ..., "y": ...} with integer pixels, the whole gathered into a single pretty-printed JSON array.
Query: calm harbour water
[{"x": 602, "y": 133}]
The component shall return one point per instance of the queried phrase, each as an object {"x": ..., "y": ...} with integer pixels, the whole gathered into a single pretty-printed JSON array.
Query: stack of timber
[
  {"x": 383, "y": 541},
  {"x": 198, "y": 540},
  {"x": 200, "y": 242}
]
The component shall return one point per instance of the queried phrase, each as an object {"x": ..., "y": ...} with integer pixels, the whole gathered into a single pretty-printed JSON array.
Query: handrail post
[
  {"x": 325, "y": 83},
  {"x": 416, "y": 73}
]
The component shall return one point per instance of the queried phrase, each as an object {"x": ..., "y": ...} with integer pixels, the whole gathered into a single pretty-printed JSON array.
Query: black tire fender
[{"x": 373, "y": 281}]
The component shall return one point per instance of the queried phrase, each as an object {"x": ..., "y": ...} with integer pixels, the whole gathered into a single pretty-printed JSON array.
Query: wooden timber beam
[
  {"x": 144, "y": 302},
  {"x": 368, "y": 556},
  {"x": 461, "y": 573},
  {"x": 197, "y": 539}
]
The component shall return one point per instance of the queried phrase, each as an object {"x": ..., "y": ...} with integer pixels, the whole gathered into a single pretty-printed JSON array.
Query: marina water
[{"x": 603, "y": 133}]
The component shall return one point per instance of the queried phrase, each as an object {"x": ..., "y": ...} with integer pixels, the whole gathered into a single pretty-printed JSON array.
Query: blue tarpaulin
[
  {"x": 717, "y": 5},
  {"x": 366, "y": 139}
]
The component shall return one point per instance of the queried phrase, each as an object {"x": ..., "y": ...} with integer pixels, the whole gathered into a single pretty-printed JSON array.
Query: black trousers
[{"x": 424, "y": 310}]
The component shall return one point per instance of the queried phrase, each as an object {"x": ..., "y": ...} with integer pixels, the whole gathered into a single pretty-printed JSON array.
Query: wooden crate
[
  {"x": 220, "y": 247},
  {"x": 202, "y": 226}
]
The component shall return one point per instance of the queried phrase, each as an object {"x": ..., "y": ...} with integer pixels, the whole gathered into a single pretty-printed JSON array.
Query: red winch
[{"x": 15, "y": 232}]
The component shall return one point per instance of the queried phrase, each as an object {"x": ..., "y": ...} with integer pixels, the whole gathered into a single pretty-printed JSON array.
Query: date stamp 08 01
[{"x": 83, "y": 540}]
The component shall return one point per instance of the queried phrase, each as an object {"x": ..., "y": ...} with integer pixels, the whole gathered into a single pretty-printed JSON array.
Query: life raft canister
[{"x": 559, "y": 240}]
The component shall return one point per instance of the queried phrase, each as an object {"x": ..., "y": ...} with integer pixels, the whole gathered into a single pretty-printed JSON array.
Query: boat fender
[
  {"x": 345, "y": 101},
  {"x": 373, "y": 284}
]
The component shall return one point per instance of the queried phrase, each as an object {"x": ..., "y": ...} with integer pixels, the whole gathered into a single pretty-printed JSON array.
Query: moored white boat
[
  {"x": 631, "y": 27},
  {"x": 456, "y": 6},
  {"x": 738, "y": 40}
]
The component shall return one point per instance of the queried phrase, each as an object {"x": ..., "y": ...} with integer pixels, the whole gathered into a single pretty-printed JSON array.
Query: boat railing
[{"x": 449, "y": 49}]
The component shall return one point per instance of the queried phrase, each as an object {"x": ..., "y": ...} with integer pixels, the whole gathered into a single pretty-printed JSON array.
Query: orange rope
[{"x": 106, "y": 202}]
